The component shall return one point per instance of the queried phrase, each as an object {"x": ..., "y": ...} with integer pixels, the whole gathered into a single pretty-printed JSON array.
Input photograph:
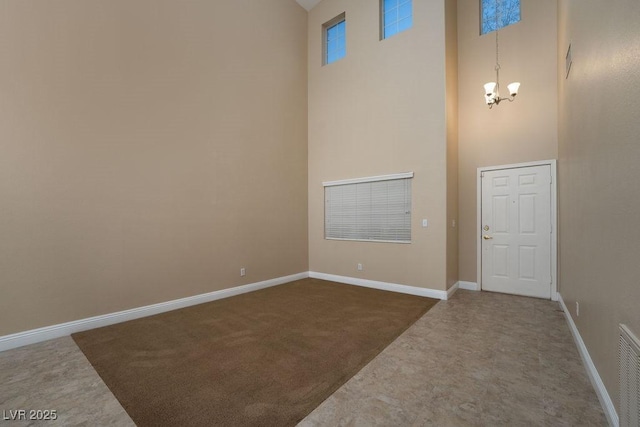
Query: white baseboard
[
  {"x": 469, "y": 286},
  {"x": 452, "y": 290},
  {"x": 33, "y": 336},
  {"x": 594, "y": 376},
  {"x": 385, "y": 286}
]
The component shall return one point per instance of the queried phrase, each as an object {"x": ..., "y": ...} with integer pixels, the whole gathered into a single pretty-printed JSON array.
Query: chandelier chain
[
  {"x": 498, "y": 17},
  {"x": 497, "y": 51}
]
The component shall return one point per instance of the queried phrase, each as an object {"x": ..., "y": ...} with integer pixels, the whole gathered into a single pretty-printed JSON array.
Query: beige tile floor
[
  {"x": 55, "y": 375},
  {"x": 478, "y": 359}
]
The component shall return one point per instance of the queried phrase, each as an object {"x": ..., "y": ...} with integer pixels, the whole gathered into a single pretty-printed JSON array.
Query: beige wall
[
  {"x": 522, "y": 131},
  {"x": 598, "y": 165},
  {"x": 451, "y": 43},
  {"x": 148, "y": 150},
  {"x": 378, "y": 111}
]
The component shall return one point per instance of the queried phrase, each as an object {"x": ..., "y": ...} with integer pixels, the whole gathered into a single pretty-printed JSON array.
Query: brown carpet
[{"x": 263, "y": 358}]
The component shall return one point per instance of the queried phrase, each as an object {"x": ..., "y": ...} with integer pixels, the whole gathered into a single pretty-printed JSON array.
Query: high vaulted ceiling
[{"x": 308, "y": 4}]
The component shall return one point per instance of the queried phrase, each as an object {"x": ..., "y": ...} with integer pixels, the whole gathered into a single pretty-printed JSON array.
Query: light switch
[{"x": 425, "y": 223}]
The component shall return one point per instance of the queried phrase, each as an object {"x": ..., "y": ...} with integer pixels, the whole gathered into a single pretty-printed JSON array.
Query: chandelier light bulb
[
  {"x": 513, "y": 88},
  {"x": 490, "y": 89}
]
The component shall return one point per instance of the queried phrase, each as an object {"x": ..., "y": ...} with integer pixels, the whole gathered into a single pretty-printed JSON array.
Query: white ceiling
[{"x": 308, "y": 4}]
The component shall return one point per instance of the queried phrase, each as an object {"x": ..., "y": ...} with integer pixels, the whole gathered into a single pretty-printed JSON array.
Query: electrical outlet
[
  {"x": 453, "y": 223},
  {"x": 243, "y": 272},
  {"x": 577, "y": 309},
  {"x": 359, "y": 267}
]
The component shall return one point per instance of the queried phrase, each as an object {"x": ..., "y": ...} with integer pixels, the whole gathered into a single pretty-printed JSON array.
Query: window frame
[{"x": 325, "y": 28}]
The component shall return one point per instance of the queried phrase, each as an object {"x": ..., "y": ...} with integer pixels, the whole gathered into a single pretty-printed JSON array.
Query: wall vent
[{"x": 629, "y": 359}]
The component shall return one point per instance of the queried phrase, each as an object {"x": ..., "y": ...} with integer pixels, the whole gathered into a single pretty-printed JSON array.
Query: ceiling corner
[{"x": 308, "y": 4}]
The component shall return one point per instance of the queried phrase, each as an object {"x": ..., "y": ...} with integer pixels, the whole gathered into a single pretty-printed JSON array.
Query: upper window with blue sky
[
  {"x": 496, "y": 14},
  {"x": 397, "y": 16},
  {"x": 335, "y": 40}
]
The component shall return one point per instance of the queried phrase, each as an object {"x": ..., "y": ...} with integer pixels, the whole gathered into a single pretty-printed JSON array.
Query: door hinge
[{"x": 481, "y": 174}]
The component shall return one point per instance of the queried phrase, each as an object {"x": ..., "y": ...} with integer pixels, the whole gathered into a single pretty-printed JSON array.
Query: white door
[{"x": 516, "y": 231}]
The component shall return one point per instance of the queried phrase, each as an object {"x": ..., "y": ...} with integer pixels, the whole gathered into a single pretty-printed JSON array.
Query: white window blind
[{"x": 369, "y": 209}]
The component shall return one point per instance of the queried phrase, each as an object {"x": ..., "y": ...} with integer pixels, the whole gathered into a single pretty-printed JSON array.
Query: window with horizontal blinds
[{"x": 376, "y": 211}]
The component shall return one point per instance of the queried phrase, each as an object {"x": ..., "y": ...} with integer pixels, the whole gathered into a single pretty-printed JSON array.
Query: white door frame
[{"x": 554, "y": 218}]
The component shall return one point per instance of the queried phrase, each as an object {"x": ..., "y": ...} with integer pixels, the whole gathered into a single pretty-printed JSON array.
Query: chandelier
[{"x": 492, "y": 89}]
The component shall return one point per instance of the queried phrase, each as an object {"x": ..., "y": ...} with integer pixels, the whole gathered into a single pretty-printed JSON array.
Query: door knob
[{"x": 487, "y": 237}]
